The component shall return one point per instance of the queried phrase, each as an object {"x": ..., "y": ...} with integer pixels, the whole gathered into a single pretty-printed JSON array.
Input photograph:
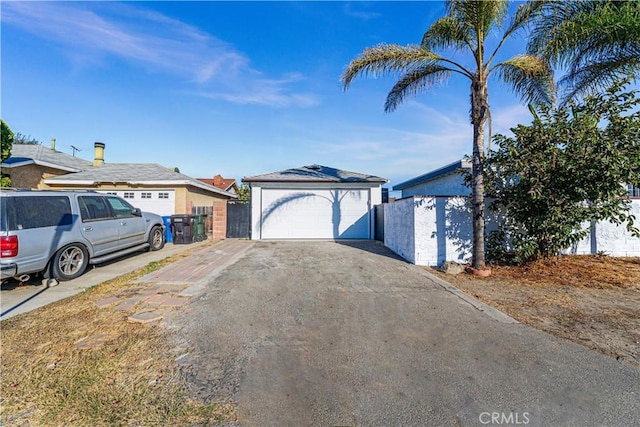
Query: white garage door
[
  {"x": 160, "y": 202},
  {"x": 315, "y": 214}
]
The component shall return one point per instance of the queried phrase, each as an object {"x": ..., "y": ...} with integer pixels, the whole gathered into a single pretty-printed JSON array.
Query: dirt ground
[{"x": 592, "y": 300}]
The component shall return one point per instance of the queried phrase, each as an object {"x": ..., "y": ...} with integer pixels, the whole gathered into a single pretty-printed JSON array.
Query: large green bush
[{"x": 564, "y": 171}]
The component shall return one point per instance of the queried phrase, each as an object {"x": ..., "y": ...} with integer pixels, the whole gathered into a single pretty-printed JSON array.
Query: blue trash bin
[{"x": 168, "y": 235}]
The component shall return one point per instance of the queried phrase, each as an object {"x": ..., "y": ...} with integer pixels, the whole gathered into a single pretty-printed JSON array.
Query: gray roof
[
  {"x": 454, "y": 167},
  {"x": 314, "y": 173},
  {"x": 132, "y": 174},
  {"x": 23, "y": 154}
]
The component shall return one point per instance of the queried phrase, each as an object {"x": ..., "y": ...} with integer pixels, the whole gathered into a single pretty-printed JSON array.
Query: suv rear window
[{"x": 22, "y": 213}]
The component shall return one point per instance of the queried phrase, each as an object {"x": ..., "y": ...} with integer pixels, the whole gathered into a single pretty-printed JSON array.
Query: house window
[
  {"x": 633, "y": 191},
  {"x": 163, "y": 195},
  {"x": 145, "y": 195},
  {"x": 128, "y": 195},
  {"x": 111, "y": 193}
]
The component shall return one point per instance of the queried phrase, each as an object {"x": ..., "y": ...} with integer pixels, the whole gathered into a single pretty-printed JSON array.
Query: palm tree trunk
[{"x": 479, "y": 112}]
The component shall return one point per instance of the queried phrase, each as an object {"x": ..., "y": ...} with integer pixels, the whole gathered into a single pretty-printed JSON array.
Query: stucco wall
[
  {"x": 399, "y": 230},
  {"x": 612, "y": 239},
  {"x": 31, "y": 176},
  {"x": 431, "y": 230}
]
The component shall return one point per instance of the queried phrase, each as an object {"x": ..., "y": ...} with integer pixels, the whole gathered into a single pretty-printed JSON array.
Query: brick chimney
[{"x": 98, "y": 158}]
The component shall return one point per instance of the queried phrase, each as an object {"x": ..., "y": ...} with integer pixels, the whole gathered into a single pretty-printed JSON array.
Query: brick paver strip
[
  {"x": 147, "y": 317},
  {"x": 157, "y": 299},
  {"x": 166, "y": 288},
  {"x": 175, "y": 302},
  {"x": 106, "y": 302},
  {"x": 128, "y": 304},
  {"x": 198, "y": 265}
]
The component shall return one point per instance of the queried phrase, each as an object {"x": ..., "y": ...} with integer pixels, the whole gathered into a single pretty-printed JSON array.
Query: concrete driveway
[
  {"x": 18, "y": 298},
  {"x": 331, "y": 334}
]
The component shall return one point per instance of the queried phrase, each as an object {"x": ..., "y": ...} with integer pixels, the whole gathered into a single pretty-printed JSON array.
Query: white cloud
[
  {"x": 509, "y": 117},
  {"x": 350, "y": 10},
  {"x": 156, "y": 42}
]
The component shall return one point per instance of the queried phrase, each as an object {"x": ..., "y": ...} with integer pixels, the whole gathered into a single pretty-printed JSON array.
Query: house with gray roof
[
  {"x": 447, "y": 180},
  {"x": 148, "y": 186},
  {"x": 314, "y": 202}
]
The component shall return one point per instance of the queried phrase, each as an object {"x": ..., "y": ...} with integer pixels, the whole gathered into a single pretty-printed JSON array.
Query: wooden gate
[{"x": 238, "y": 220}]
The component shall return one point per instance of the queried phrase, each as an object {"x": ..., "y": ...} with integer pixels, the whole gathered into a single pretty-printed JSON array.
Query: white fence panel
[{"x": 431, "y": 230}]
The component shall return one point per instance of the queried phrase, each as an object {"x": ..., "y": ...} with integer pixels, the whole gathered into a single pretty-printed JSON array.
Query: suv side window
[
  {"x": 94, "y": 208},
  {"x": 121, "y": 208},
  {"x": 22, "y": 213}
]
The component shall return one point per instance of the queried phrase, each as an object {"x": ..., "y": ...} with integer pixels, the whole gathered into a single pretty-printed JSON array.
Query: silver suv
[{"x": 59, "y": 233}]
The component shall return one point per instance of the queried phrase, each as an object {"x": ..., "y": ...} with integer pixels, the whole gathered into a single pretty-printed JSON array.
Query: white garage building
[{"x": 314, "y": 202}]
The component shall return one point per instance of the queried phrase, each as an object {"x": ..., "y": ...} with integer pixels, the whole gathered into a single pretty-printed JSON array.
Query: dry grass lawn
[
  {"x": 592, "y": 300},
  {"x": 72, "y": 363}
]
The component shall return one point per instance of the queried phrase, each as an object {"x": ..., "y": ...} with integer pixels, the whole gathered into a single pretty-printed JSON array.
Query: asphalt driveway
[{"x": 331, "y": 334}]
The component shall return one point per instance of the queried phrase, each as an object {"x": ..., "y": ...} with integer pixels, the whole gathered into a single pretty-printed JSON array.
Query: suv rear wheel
[{"x": 70, "y": 262}]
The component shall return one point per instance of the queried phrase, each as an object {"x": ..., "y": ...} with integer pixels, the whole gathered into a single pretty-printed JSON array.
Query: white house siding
[
  {"x": 431, "y": 230},
  {"x": 447, "y": 185}
]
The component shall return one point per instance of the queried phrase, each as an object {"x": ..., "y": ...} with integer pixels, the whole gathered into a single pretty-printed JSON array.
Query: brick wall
[{"x": 220, "y": 219}]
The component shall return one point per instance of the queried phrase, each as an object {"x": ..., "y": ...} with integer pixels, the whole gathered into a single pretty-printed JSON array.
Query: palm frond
[
  {"x": 530, "y": 76},
  {"x": 552, "y": 15},
  {"x": 596, "y": 41},
  {"x": 591, "y": 33},
  {"x": 597, "y": 75},
  {"x": 447, "y": 32},
  {"x": 387, "y": 59},
  {"x": 479, "y": 16},
  {"x": 525, "y": 14},
  {"x": 415, "y": 82}
]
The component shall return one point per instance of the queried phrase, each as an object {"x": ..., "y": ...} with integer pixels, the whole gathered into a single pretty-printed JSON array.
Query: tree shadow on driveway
[{"x": 371, "y": 246}]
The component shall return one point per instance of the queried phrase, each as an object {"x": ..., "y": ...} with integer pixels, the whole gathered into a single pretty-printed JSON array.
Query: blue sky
[{"x": 235, "y": 88}]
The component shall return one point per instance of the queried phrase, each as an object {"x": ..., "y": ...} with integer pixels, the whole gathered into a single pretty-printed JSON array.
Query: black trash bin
[{"x": 182, "y": 229}]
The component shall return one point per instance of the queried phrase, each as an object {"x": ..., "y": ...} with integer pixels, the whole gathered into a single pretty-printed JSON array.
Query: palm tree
[
  {"x": 464, "y": 29},
  {"x": 595, "y": 41}
]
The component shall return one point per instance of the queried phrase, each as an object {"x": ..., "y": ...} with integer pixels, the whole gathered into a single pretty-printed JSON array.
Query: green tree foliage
[
  {"x": 595, "y": 41},
  {"x": 244, "y": 194},
  {"x": 464, "y": 33},
  {"x": 22, "y": 139},
  {"x": 564, "y": 171},
  {"x": 7, "y": 142}
]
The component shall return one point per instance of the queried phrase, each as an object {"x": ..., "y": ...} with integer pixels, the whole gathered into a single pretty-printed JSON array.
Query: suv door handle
[
  {"x": 88, "y": 228},
  {"x": 123, "y": 223}
]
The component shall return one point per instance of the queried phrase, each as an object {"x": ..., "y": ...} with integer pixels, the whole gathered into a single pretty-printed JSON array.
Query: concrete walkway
[{"x": 16, "y": 299}]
